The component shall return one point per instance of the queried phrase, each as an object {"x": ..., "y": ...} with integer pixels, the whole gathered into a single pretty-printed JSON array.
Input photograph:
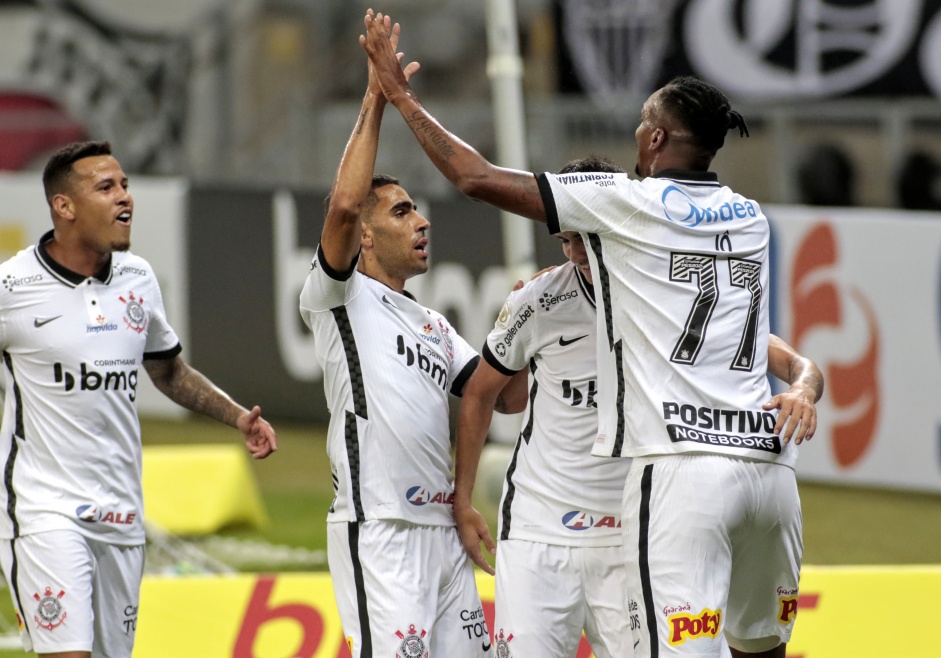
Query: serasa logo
[
  {"x": 419, "y": 496},
  {"x": 680, "y": 209},
  {"x": 820, "y": 300}
]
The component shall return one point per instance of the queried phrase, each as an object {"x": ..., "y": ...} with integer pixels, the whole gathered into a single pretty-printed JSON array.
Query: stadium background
[{"x": 231, "y": 117}]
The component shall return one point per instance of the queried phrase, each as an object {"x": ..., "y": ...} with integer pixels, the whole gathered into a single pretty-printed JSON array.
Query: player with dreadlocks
[{"x": 711, "y": 512}]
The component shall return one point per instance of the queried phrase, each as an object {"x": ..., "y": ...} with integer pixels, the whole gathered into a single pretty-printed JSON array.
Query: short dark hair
[
  {"x": 378, "y": 180},
  {"x": 56, "y": 174},
  {"x": 591, "y": 164},
  {"x": 703, "y": 109}
]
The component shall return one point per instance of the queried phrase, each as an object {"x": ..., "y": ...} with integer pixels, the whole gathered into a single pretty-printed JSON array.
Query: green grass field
[{"x": 841, "y": 525}]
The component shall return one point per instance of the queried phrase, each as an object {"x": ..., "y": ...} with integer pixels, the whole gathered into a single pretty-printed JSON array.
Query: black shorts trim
[
  {"x": 365, "y": 650},
  {"x": 646, "y": 485}
]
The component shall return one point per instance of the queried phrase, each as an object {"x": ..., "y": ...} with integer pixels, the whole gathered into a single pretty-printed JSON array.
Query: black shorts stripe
[
  {"x": 357, "y": 388},
  {"x": 18, "y": 431},
  {"x": 352, "y": 456},
  {"x": 525, "y": 435},
  {"x": 365, "y": 650},
  {"x": 646, "y": 482},
  {"x": 15, "y": 585}
]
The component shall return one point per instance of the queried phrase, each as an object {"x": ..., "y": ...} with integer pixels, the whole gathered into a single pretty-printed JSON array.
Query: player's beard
[{"x": 121, "y": 245}]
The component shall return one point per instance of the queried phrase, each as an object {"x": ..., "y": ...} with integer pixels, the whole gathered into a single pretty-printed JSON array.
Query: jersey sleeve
[
  {"x": 162, "y": 341},
  {"x": 511, "y": 343},
  {"x": 325, "y": 287},
  {"x": 464, "y": 362},
  {"x": 587, "y": 203}
]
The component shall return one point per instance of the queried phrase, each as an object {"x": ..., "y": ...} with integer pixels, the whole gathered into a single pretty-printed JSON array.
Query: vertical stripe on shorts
[
  {"x": 649, "y": 612},
  {"x": 365, "y": 649}
]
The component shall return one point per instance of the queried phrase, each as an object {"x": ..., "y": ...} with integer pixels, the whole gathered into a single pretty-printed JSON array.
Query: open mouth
[
  {"x": 125, "y": 217},
  {"x": 420, "y": 247}
]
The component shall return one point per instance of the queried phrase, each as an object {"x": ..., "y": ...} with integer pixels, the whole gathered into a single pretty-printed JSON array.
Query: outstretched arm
[
  {"x": 507, "y": 189},
  {"x": 342, "y": 230},
  {"x": 798, "y": 415},
  {"x": 480, "y": 395},
  {"x": 191, "y": 389}
]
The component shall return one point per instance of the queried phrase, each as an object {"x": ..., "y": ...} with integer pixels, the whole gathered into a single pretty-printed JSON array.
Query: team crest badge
[
  {"x": 446, "y": 337},
  {"x": 503, "y": 645},
  {"x": 49, "y": 612},
  {"x": 413, "y": 643},
  {"x": 134, "y": 316}
]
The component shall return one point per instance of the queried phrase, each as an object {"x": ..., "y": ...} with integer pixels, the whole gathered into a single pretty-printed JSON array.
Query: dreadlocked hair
[{"x": 703, "y": 109}]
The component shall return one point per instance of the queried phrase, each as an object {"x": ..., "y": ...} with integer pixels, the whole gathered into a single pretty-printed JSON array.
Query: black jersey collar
[
  {"x": 586, "y": 287},
  {"x": 63, "y": 273},
  {"x": 688, "y": 175}
]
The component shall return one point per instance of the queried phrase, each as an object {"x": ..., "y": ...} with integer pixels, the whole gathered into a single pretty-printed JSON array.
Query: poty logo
[
  {"x": 687, "y": 627},
  {"x": 578, "y": 520},
  {"x": 548, "y": 300},
  {"x": 820, "y": 300},
  {"x": 419, "y": 496},
  {"x": 679, "y": 208},
  {"x": 788, "y": 610}
]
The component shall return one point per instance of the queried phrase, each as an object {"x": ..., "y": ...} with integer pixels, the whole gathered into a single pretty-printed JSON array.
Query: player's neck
[
  {"x": 370, "y": 268},
  {"x": 76, "y": 257}
]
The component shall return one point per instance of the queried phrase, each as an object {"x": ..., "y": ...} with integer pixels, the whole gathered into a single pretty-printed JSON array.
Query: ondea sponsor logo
[
  {"x": 684, "y": 626},
  {"x": 678, "y": 207},
  {"x": 821, "y": 300},
  {"x": 419, "y": 496}
]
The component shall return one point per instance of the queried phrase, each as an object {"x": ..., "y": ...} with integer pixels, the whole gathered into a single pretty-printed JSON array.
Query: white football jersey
[
  {"x": 681, "y": 266},
  {"x": 556, "y": 491},
  {"x": 389, "y": 364},
  {"x": 73, "y": 348}
]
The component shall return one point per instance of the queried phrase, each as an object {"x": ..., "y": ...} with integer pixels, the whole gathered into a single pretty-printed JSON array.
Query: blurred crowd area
[{"x": 843, "y": 97}]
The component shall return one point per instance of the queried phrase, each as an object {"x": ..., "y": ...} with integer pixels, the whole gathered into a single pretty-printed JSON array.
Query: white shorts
[
  {"x": 72, "y": 593},
  {"x": 713, "y": 548},
  {"x": 405, "y": 590},
  {"x": 546, "y": 595}
]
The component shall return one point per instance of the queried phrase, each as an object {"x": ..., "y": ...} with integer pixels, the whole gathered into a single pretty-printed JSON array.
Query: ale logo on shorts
[
  {"x": 420, "y": 496},
  {"x": 503, "y": 645},
  {"x": 787, "y": 599},
  {"x": 685, "y": 626},
  {"x": 49, "y": 612},
  {"x": 413, "y": 644},
  {"x": 134, "y": 316}
]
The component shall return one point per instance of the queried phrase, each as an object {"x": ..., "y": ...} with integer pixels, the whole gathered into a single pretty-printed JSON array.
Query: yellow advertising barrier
[
  {"x": 198, "y": 489},
  {"x": 858, "y": 612}
]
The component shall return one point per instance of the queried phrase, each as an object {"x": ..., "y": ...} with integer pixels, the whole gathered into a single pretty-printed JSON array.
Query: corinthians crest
[
  {"x": 503, "y": 645},
  {"x": 413, "y": 644},
  {"x": 49, "y": 612},
  {"x": 134, "y": 315}
]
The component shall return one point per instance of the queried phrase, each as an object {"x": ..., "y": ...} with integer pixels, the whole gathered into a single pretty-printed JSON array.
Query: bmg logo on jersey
[
  {"x": 93, "y": 380},
  {"x": 419, "y": 496},
  {"x": 548, "y": 300},
  {"x": 426, "y": 362},
  {"x": 579, "y": 520}
]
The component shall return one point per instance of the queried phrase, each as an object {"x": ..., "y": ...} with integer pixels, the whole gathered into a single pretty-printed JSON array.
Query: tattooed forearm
[
  {"x": 362, "y": 121},
  {"x": 429, "y": 133},
  {"x": 191, "y": 389}
]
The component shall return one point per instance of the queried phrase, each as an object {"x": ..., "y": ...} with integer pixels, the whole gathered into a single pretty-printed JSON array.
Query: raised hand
[{"x": 385, "y": 68}]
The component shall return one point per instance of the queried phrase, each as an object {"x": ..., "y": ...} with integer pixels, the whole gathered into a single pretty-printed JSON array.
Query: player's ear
[
  {"x": 63, "y": 206},
  {"x": 366, "y": 240}
]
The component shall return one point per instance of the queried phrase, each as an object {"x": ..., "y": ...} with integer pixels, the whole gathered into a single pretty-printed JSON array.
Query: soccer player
[
  {"x": 79, "y": 317},
  {"x": 711, "y": 512},
  {"x": 403, "y": 583},
  {"x": 561, "y": 505}
]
